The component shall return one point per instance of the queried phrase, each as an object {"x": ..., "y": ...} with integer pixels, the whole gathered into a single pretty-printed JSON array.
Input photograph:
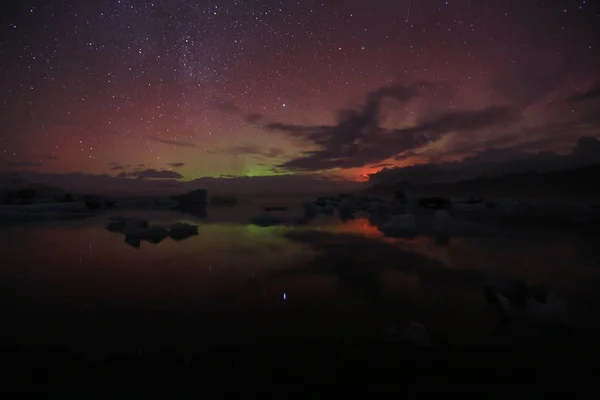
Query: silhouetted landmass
[{"x": 565, "y": 184}]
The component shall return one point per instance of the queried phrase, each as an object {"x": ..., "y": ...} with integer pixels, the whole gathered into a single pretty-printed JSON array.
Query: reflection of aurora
[{"x": 238, "y": 246}]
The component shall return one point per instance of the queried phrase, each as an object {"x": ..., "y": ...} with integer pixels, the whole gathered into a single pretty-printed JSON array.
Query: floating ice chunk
[
  {"x": 182, "y": 230},
  {"x": 400, "y": 225},
  {"x": 153, "y": 234},
  {"x": 133, "y": 241},
  {"x": 116, "y": 223},
  {"x": 133, "y": 224}
]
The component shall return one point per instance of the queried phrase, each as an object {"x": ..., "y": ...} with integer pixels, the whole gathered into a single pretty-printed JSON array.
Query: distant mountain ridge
[{"x": 567, "y": 183}]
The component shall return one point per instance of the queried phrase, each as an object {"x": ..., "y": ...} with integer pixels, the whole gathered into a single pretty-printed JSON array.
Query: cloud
[
  {"x": 116, "y": 167},
  {"x": 591, "y": 94},
  {"x": 358, "y": 139},
  {"x": 170, "y": 141},
  {"x": 494, "y": 162},
  {"x": 176, "y": 164},
  {"x": 151, "y": 174}
]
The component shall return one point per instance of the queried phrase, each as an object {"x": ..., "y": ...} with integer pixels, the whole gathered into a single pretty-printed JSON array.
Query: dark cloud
[
  {"x": 358, "y": 140},
  {"x": 170, "y": 141},
  {"x": 254, "y": 118},
  {"x": 591, "y": 94},
  {"x": 151, "y": 174},
  {"x": 494, "y": 162},
  {"x": 117, "y": 167},
  {"x": 176, "y": 164}
]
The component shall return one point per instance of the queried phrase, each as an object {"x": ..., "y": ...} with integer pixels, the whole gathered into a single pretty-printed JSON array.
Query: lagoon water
[{"x": 76, "y": 285}]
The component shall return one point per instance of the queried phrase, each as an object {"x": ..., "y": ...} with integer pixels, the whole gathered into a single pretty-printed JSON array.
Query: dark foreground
[{"x": 393, "y": 368}]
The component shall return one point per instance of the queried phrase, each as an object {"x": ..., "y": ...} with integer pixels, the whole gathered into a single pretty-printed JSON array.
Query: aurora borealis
[{"x": 188, "y": 89}]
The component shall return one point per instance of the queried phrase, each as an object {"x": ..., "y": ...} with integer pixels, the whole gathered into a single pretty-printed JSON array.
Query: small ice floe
[
  {"x": 153, "y": 234},
  {"x": 116, "y": 223},
  {"x": 134, "y": 224},
  {"x": 182, "y": 230},
  {"x": 124, "y": 224},
  {"x": 133, "y": 242},
  {"x": 400, "y": 225}
]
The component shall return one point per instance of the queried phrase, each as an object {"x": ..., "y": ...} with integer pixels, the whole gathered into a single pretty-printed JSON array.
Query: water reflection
[{"x": 328, "y": 272}]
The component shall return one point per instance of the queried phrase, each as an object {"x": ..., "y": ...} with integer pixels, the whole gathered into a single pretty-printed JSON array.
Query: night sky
[{"x": 188, "y": 89}]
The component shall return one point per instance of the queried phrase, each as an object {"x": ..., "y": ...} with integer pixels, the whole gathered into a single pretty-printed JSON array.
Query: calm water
[{"x": 75, "y": 284}]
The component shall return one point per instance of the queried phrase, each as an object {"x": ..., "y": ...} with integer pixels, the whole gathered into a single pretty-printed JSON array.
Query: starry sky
[{"x": 181, "y": 89}]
